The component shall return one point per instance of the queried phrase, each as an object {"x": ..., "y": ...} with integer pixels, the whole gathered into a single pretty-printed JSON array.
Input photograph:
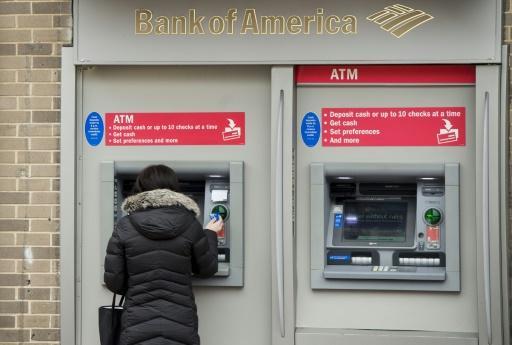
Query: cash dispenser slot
[
  {"x": 216, "y": 187},
  {"x": 385, "y": 189},
  {"x": 386, "y": 226},
  {"x": 419, "y": 259}
]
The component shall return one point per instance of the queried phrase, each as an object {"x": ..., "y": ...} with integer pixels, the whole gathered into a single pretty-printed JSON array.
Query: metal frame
[
  {"x": 71, "y": 255},
  {"x": 505, "y": 188},
  {"x": 68, "y": 199},
  {"x": 282, "y": 201},
  {"x": 488, "y": 215},
  {"x": 307, "y": 336}
]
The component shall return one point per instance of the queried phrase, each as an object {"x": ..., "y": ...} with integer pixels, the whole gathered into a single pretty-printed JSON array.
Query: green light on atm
[{"x": 432, "y": 216}]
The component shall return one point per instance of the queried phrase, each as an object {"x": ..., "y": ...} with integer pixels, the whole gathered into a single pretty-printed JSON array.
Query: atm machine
[
  {"x": 387, "y": 227},
  {"x": 398, "y": 217},
  {"x": 223, "y": 178},
  {"x": 216, "y": 187}
]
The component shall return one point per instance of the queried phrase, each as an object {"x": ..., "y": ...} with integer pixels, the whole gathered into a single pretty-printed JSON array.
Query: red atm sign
[
  {"x": 386, "y": 74},
  {"x": 208, "y": 128}
]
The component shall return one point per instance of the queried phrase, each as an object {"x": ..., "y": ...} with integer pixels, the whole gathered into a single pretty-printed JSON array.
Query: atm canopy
[{"x": 289, "y": 31}]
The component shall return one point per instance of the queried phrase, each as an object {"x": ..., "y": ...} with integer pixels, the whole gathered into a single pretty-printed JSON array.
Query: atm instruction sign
[
  {"x": 156, "y": 129},
  {"x": 414, "y": 126}
]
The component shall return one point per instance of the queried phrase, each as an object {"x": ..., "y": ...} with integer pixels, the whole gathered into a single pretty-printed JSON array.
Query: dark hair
[{"x": 156, "y": 177}]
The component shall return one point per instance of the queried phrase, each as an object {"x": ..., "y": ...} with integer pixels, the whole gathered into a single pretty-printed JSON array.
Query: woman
[{"x": 151, "y": 257}]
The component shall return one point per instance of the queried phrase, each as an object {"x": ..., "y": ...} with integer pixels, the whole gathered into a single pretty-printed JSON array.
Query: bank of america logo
[{"x": 399, "y": 19}]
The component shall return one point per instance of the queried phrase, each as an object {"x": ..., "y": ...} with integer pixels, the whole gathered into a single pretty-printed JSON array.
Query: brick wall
[{"x": 31, "y": 37}]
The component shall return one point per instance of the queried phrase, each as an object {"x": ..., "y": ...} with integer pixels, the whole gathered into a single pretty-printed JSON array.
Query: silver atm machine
[
  {"x": 216, "y": 187},
  {"x": 386, "y": 227}
]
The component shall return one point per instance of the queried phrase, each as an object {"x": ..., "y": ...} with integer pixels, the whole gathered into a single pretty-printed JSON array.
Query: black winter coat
[{"x": 150, "y": 258}]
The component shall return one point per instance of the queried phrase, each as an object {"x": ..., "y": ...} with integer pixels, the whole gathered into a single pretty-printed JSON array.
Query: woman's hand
[{"x": 215, "y": 225}]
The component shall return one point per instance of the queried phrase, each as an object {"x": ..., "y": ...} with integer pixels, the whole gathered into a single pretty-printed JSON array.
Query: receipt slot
[
  {"x": 386, "y": 227},
  {"x": 216, "y": 187}
]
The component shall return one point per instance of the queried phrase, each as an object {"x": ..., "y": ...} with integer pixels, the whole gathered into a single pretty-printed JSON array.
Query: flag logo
[{"x": 399, "y": 19}]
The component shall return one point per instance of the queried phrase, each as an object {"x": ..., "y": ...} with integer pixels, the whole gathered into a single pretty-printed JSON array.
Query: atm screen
[{"x": 375, "y": 221}]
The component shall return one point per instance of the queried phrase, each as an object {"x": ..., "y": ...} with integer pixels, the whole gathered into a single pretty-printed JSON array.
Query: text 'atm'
[
  {"x": 384, "y": 226},
  {"x": 216, "y": 187}
]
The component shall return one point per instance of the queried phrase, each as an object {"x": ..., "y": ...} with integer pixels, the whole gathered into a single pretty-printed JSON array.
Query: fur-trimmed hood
[
  {"x": 160, "y": 214},
  {"x": 159, "y": 198}
]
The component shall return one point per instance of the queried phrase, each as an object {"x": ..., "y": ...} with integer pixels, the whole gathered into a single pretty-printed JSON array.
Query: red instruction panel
[
  {"x": 207, "y": 128},
  {"x": 418, "y": 126}
]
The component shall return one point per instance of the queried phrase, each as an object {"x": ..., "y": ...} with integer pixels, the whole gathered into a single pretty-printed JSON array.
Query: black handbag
[{"x": 110, "y": 322}]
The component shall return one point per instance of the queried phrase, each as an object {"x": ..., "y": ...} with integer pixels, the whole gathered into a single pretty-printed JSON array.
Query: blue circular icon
[
  {"x": 310, "y": 129},
  {"x": 94, "y": 129}
]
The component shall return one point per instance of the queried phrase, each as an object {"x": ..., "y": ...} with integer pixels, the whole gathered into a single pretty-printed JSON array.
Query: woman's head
[{"x": 156, "y": 177}]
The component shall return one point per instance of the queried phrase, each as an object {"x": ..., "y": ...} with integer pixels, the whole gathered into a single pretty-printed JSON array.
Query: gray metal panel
[
  {"x": 451, "y": 284},
  {"x": 318, "y": 206},
  {"x": 356, "y": 308},
  {"x": 236, "y": 220},
  {"x": 236, "y": 228},
  {"x": 184, "y": 89},
  {"x": 317, "y": 174},
  {"x": 282, "y": 85},
  {"x": 106, "y": 186},
  {"x": 505, "y": 187},
  {"x": 100, "y": 23},
  {"x": 488, "y": 81},
  {"x": 67, "y": 199},
  {"x": 451, "y": 175},
  {"x": 79, "y": 250},
  {"x": 358, "y": 272},
  {"x": 452, "y": 206},
  {"x": 319, "y": 336}
]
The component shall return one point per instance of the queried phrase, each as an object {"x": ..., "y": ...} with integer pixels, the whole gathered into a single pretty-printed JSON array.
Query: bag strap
[
  {"x": 121, "y": 301},
  {"x": 113, "y": 330}
]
